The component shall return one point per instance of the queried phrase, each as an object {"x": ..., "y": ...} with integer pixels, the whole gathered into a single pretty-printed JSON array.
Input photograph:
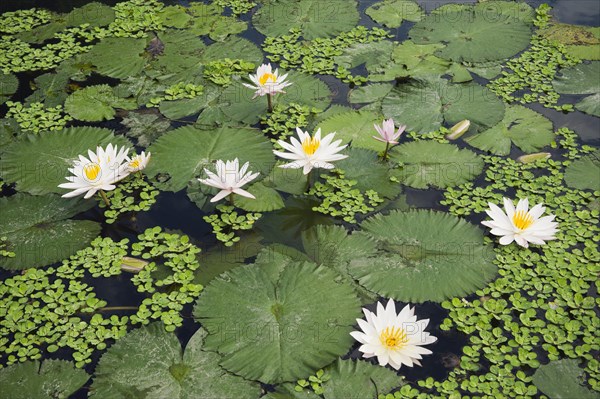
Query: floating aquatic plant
[
  {"x": 227, "y": 222},
  {"x": 37, "y": 118},
  {"x": 132, "y": 195}
]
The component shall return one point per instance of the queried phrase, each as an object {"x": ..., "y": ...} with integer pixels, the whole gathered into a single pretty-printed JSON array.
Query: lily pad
[
  {"x": 38, "y": 164},
  {"x": 149, "y": 363},
  {"x": 429, "y": 163},
  {"x": 38, "y": 232},
  {"x": 117, "y": 57},
  {"x": 358, "y": 379},
  {"x": 374, "y": 177},
  {"x": 234, "y": 47},
  {"x": 580, "y": 41},
  {"x": 355, "y": 127},
  {"x": 96, "y": 103},
  {"x": 561, "y": 379},
  {"x": 584, "y": 173},
  {"x": 370, "y": 54},
  {"x": 479, "y": 33},
  {"x": 391, "y": 13},
  {"x": 521, "y": 126},
  {"x": 315, "y": 18},
  {"x": 207, "y": 20},
  {"x": 369, "y": 93},
  {"x": 298, "y": 320},
  {"x": 267, "y": 199},
  {"x": 183, "y": 153},
  {"x": 54, "y": 379},
  {"x": 418, "y": 263},
  {"x": 145, "y": 126},
  {"x": 94, "y": 14},
  {"x": 8, "y": 86},
  {"x": 424, "y": 104},
  {"x": 50, "y": 88},
  {"x": 582, "y": 79}
]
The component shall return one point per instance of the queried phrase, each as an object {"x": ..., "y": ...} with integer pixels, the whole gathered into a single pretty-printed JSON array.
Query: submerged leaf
[{"x": 561, "y": 379}]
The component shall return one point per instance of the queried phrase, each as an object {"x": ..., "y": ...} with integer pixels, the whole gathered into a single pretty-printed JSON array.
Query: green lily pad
[
  {"x": 299, "y": 319},
  {"x": 429, "y": 163},
  {"x": 358, "y": 379},
  {"x": 8, "y": 86},
  {"x": 314, "y": 18},
  {"x": 521, "y": 126},
  {"x": 149, "y": 363},
  {"x": 424, "y": 256},
  {"x": 117, "y": 57},
  {"x": 561, "y": 379},
  {"x": 391, "y": 13},
  {"x": 94, "y": 14},
  {"x": 50, "y": 88},
  {"x": 267, "y": 199},
  {"x": 96, "y": 103},
  {"x": 424, "y": 104},
  {"x": 180, "y": 60},
  {"x": 484, "y": 32},
  {"x": 370, "y": 54},
  {"x": 356, "y": 127},
  {"x": 38, "y": 164},
  {"x": 582, "y": 79},
  {"x": 234, "y": 47},
  {"x": 580, "y": 41},
  {"x": 38, "y": 232},
  {"x": 145, "y": 126},
  {"x": 374, "y": 177},
  {"x": 590, "y": 105},
  {"x": 584, "y": 173},
  {"x": 183, "y": 153},
  {"x": 207, "y": 20},
  {"x": 369, "y": 93},
  {"x": 54, "y": 379}
]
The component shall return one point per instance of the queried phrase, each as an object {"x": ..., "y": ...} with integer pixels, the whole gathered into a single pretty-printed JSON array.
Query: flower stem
[
  {"x": 105, "y": 198},
  {"x": 308, "y": 175},
  {"x": 385, "y": 152},
  {"x": 230, "y": 197},
  {"x": 269, "y": 103}
]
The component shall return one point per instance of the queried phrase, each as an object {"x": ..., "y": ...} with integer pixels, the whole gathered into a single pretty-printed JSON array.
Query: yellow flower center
[
  {"x": 393, "y": 338},
  {"x": 310, "y": 145},
  {"x": 135, "y": 163},
  {"x": 91, "y": 170},
  {"x": 522, "y": 220},
  {"x": 266, "y": 77}
]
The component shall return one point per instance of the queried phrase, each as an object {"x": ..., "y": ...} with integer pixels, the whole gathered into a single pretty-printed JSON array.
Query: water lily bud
[
  {"x": 528, "y": 158},
  {"x": 459, "y": 129},
  {"x": 132, "y": 265}
]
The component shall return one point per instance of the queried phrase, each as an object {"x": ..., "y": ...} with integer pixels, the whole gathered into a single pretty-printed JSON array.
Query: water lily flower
[
  {"x": 459, "y": 129},
  {"x": 267, "y": 82},
  {"x": 229, "y": 178},
  {"x": 386, "y": 132},
  {"x": 522, "y": 225},
  {"x": 98, "y": 172},
  {"x": 395, "y": 339},
  {"x": 311, "y": 152},
  {"x": 138, "y": 162}
]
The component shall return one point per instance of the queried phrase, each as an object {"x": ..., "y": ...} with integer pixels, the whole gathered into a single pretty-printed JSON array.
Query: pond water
[{"x": 175, "y": 212}]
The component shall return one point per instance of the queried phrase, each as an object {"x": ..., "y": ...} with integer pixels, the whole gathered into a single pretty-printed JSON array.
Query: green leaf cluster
[
  {"x": 227, "y": 221},
  {"x": 23, "y": 20},
  {"x": 132, "y": 195},
  {"x": 221, "y": 71},
  {"x": 285, "y": 118},
  {"x": 36, "y": 117}
]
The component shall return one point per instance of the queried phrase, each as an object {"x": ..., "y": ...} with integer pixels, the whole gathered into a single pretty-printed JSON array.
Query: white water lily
[
  {"x": 522, "y": 225},
  {"x": 387, "y": 132},
  {"x": 311, "y": 152},
  {"x": 395, "y": 339},
  {"x": 267, "y": 82},
  {"x": 229, "y": 178},
  {"x": 99, "y": 171},
  {"x": 138, "y": 162}
]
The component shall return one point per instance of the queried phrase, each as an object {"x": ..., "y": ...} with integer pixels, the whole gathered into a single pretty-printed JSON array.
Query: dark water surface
[{"x": 174, "y": 211}]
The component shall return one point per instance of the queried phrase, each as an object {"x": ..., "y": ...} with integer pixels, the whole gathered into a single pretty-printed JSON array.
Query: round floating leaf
[
  {"x": 315, "y": 18},
  {"x": 370, "y": 54},
  {"x": 369, "y": 93},
  {"x": 50, "y": 88},
  {"x": 37, "y": 232},
  {"x": 590, "y": 105},
  {"x": 149, "y": 363},
  {"x": 479, "y": 33},
  {"x": 423, "y": 105},
  {"x": 8, "y": 86},
  {"x": 38, "y": 164},
  {"x": 297, "y": 320},
  {"x": 580, "y": 79},
  {"x": 561, "y": 379},
  {"x": 425, "y": 256},
  {"x": 429, "y": 163},
  {"x": 358, "y": 379},
  {"x": 356, "y": 127},
  {"x": 391, "y": 13},
  {"x": 117, "y": 57},
  {"x": 181, "y": 57},
  {"x": 374, "y": 177},
  {"x": 96, "y": 103},
  {"x": 55, "y": 379},
  {"x": 238, "y": 104},
  {"x": 267, "y": 199},
  {"x": 521, "y": 126},
  {"x": 183, "y": 153},
  {"x": 207, "y": 20},
  {"x": 94, "y": 14},
  {"x": 234, "y": 47},
  {"x": 584, "y": 173}
]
